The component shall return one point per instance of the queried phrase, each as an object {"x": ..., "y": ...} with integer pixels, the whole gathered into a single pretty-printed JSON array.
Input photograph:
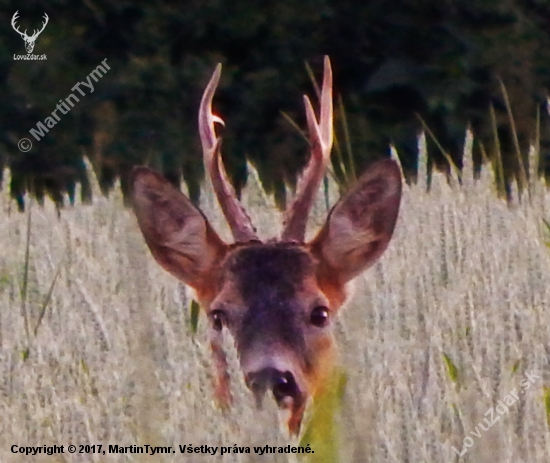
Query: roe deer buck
[{"x": 277, "y": 298}]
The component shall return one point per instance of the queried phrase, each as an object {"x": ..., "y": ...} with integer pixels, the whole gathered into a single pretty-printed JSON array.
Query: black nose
[{"x": 281, "y": 383}]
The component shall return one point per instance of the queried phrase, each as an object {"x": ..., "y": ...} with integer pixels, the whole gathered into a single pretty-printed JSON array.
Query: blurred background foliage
[{"x": 396, "y": 64}]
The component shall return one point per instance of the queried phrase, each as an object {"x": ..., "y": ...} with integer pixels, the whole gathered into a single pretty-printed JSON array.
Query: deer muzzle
[
  {"x": 282, "y": 384},
  {"x": 277, "y": 375}
]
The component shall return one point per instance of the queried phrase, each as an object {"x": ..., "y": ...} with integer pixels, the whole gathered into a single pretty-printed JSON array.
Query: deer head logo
[{"x": 29, "y": 40}]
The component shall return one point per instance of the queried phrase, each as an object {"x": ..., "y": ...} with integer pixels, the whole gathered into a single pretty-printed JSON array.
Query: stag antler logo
[{"x": 29, "y": 40}]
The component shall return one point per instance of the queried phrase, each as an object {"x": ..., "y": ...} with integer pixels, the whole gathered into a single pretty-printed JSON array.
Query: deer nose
[{"x": 282, "y": 384}]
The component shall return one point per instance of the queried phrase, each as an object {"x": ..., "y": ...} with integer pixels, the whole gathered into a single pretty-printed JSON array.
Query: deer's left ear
[{"x": 360, "y": 226}]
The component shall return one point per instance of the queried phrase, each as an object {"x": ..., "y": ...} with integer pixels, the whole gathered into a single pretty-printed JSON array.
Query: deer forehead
[{"x": 254, "y": 273}]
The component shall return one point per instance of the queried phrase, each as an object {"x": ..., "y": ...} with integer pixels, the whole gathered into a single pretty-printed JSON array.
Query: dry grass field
[{"x": 96, "y": 345}]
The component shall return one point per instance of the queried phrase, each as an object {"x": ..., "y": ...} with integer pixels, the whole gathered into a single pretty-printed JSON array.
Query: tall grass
[{"x": 444, "y": 326}]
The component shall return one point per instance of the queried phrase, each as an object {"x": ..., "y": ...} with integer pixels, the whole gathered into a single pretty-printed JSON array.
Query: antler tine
[
  {"x": 320, "y": 134},
  {"x": 237, "y": 218},
  {"x": 14, "y": 19}
]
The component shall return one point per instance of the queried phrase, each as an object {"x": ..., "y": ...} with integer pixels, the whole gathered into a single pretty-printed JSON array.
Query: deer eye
[
  {"x": 218, "y": 318},
  {"x": 319, "y": 316}
]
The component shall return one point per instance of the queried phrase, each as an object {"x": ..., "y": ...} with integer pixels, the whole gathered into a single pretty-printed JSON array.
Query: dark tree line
[{"x": 395, "y": 64}]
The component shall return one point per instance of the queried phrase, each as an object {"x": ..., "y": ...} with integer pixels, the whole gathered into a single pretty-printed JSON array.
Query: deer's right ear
[{"x": 177, "y": 233}]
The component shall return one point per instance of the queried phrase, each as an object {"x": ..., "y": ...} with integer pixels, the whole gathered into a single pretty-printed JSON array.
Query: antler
[
  {"x": 14, "y": 18},
  {"x": 237, "y": 218},
  {"x": 320, "y": 133},
  {"x": 35, "y": 34}
]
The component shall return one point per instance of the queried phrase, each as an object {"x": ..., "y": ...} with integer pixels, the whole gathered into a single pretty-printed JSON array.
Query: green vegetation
[
  {"x": 322, "y": 431},
  {"x": 194, "y": 311}
]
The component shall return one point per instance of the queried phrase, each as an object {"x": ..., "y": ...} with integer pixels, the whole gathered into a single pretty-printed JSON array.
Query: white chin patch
[{"x": 286, "y": 403}]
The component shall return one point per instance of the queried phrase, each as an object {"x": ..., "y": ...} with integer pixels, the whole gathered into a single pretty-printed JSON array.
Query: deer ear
[
  {"x": 178, "y": 235},
  {"x": 360, "y": 226}
]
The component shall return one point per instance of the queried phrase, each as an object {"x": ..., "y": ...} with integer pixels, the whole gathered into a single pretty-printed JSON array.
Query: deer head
[
  {"x": 278, "y": 298},
  {"x": 29, "y": 40}
]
